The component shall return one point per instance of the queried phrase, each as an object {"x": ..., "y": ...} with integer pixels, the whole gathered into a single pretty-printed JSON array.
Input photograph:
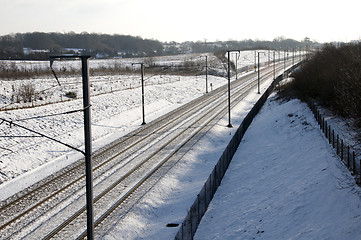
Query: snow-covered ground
[
  {"x": 115, "y": 100},
  {"x": 117, "y": 112},
  {"x": 287, "y": 182},
  {"x": 284, "y": 182},
  {"x": 169, "y": 200}
]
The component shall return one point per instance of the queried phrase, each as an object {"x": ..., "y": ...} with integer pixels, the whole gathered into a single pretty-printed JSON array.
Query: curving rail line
[{"x": 105, "y": 160}]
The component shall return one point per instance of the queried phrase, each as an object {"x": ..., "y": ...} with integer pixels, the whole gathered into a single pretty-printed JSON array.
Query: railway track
[{"x": 122, "y": 171}]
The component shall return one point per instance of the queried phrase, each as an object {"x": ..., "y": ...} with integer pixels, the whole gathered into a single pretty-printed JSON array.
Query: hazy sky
[{"x": 191, "y": 20}]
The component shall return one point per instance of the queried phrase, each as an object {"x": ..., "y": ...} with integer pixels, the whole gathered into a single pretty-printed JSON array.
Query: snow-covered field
[
  {"x": 115, "y": 100},
  {"x": 110, "y": 80},
  {"x": 117, "y": 112}
]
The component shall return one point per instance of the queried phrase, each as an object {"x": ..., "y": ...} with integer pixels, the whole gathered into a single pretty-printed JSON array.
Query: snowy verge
[{"x": 284, "y": 182}]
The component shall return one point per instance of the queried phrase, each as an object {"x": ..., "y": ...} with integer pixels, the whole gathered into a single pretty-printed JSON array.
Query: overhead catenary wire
[
  {"x": 6, "y": 149},
  {"x": 51, "y": 115},
  {"x": 51, "y": 67},
  {"x": 19, "y": 136},
  {"x": 11, "y": 123}
]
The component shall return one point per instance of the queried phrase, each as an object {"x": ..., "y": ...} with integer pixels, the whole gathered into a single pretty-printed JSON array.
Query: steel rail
[
  {"x": 97, "y": 154},
  {"x": 149, "y": 174},
  {"x": 98, "y": 166},
  {"x": 112, "y": 147},
  {"x": 82, "y": 176},
  {"x": 105, "y": 162}
]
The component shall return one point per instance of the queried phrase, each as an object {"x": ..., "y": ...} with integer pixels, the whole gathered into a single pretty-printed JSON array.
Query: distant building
[{"x": 28, "y": 51}]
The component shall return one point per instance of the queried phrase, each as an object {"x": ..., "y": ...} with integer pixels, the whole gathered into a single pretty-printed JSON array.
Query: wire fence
[
  {"x": 200, "y": 205},
  {"x": 343, "y": 150}
]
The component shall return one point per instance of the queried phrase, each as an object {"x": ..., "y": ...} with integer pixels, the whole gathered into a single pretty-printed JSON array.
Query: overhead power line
[
  {"x": 51, "y": 115},
  {"x": 11, "y": 123}
]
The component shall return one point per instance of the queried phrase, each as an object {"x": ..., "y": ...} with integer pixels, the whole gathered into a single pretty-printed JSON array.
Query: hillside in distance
[{"x": 39, "y": 45}]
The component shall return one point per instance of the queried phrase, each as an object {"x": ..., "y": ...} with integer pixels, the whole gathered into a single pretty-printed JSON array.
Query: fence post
[
  {"x": 318, "y": 117},
  {"x": 337, "y": 144},
  {"x": 205, "y": 195},
  {"x": 329, "y": 134},
  {"x": 333, "y": 138},
  {"x": 348, "y": 157},
  {"x": 353, "y": 162},
  {"x": 198, "y": 218},
  {"x": 182, "y": 230},
  {"x": 342, "y": 149},
  {"x": 359, "y": 172},
  {"x": 191, "y": 223}
]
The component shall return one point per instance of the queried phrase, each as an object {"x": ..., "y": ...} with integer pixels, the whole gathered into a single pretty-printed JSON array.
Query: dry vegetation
[{"x": 333, "y": 77}]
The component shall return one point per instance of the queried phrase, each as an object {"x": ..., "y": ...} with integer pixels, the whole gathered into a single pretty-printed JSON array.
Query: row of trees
[
  {"x": 333, "y": 77},
  {"x": 109, "y": 46},
  {"x": 12, "y": 46},
  {"x": 279, "y": 43}
]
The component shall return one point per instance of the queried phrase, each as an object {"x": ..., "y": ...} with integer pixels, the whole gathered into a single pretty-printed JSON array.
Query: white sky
[{"x": 188, "y": 20}]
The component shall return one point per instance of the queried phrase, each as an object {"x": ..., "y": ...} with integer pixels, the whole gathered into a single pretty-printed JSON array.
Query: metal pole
[
  {"x": 236, "y": 66},
  {"x": 229, "y": 92},
  {"x": 284, "y": 62},
  {"x": 274, "y": 65},
  {"x": 88, "y": 148},
  {"x": 206, "y": 74},
  {"x": 142, "y": 78},
  {"x": 142, "y": 73},
  {"x": 259, "y": 91},
  {"x": 255, "y": 60}
]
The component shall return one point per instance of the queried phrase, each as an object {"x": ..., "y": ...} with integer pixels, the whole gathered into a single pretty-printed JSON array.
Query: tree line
[
  {"x": 39, "y": 45},
  {"x": 333, "y": 77}
]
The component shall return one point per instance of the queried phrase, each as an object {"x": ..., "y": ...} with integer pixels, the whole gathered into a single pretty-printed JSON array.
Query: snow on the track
[
  {"x": 285, "y": 181},
  {"x": 116, "y": 110},
  {"x": 113, "y": 115},
  {"x": 168, "y": 201}
]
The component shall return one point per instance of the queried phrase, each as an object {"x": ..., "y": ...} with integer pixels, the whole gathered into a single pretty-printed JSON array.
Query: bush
[
  {"x": 26, "y": 93},
  {"x": 333, "y": 77},
  {"x": 71, "y": 94}
]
